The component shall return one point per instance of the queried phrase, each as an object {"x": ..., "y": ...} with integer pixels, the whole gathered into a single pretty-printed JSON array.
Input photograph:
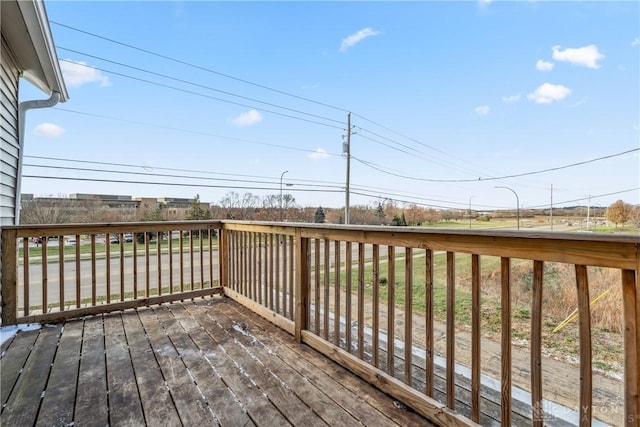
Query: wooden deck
[{"x": 203, "y": 362}]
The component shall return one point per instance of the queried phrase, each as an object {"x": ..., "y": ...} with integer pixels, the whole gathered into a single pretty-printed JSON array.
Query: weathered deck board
[
  {"x": 208, "y": 362},
  {"x": 27, "y": 393},
  {"x": 59, "y": 400},
  {"x": 121, "y": 381},
  {"x": 204, "y": 374},
  {"x": 191, "y": 405},
  {"x": 91, "y": 395},
  {"x": 291, "y": 407},
  {"x": 374, "y": 408},
  {"x": 156, "y": 400},
  {"x": 11, "y": 366}
]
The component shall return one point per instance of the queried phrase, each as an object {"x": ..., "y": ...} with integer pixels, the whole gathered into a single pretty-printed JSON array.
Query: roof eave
[{"x": 49, "y": 75}]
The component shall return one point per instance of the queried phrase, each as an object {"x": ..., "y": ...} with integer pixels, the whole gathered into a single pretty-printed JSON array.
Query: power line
[
  {"x": 379, "y": 168},
  {"x": 209, "y": 70},
  {"x": 196, "y": 84},
  {"x": 334, "y": 184},
  {"x": 587, "y": 198},
  {"x": 161, "y": 175},
  {"x": 231, "y": 138},
  {"x": 174, "y": 184},
  {"x": 190, "y": 92}
]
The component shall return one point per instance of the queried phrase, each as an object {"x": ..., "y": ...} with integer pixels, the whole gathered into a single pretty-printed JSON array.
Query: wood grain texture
[
  {"x": 536, "y": 344},
  {"x": 505, "y": 357},
  {"x": 631, "y": 306},
  {"x": 584, "y": 327},
  {"x": 475, "y": 338}
]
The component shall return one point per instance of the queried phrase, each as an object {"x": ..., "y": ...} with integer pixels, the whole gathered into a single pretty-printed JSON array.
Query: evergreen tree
[{"x": 319, "y": 216}]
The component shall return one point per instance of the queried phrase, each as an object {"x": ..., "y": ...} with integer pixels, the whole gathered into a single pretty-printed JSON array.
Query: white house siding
[{"x": 9, "y": 146}]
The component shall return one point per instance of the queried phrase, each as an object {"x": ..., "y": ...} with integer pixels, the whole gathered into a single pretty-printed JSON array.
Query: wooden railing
[
  {"x": 372, "y": 299},
  {"x": 355, "y": 285},
  {"x": 51, "y": 273}
]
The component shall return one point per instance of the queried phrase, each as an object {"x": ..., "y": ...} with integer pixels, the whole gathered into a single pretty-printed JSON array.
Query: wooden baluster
[
  {"x": 286, "y": 296},
  {"x": 336, "y": 304},
  {"x": 45, "y": 278},
  {"x": 327, "y": 273},
  {"x": 631, "y": 306},
  {"x": 93, "y": 269},
  {"x": 25, "y": 268},
  {"x": 159, "y": 258},
  {"x": 181, "y": 259},
  {"x": 271, "y": 269},
  {"x": 147, "y": 265},
  {"x": 277, "y": 266},
  {"x": 347, "y": 298},
  {"x": 408, "y": 314},
  {"x": 391, "y": 304},
  {"x": 107, "y": 264},
  {"x": 536, "y": 345},
  {"x": 291, "y": 277},
  {"x": 375, "y": 342},
  {"x": 505, "y": 314},
  {"x": 316, "y": 289},
  {"x": 361, "y": 300},
  {"x": 475, "y": 338},
  {"x": 135, "y": 265},
  {"x": 201, "y": 239},
  {"x": 170, "y": 247},
  {"x": 78, "y": 271},
  {"x": 210, "y": 233},
  {"x": 61, "y": 270},
  {"x": 191, "y": 263},
  {"x": 121, "y": 266},
  {"x": 584, "y": 327},
  {"x": 303, "y": 279},
  {"x": 451, "y": 330},
  {"x": 428, "y": 320}
]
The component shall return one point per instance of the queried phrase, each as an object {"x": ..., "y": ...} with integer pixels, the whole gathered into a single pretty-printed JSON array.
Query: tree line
[{"x": 272, "y": 207}]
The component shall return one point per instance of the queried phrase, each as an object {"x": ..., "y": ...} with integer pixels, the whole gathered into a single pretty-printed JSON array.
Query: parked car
[
  {"x": 71, "y": 242},
  {"x": 128, "y": 238},
  {"x": 114, "y": 240}
]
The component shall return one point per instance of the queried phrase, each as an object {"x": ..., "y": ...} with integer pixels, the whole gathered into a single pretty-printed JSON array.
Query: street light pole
[
  {"x": 281, "y": 176},
  {"x": 470, "y": 211},
  {"x": 517, "y": 202}
]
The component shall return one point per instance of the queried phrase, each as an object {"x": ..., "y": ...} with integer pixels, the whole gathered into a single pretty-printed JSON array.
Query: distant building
[{"x": 117, "y": 207}]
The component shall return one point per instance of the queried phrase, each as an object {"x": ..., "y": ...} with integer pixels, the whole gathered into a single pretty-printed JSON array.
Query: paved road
[{"x": 36, "y": 273}]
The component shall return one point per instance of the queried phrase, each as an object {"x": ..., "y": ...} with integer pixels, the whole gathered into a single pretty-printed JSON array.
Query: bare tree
[{"x": 46, "y": 211}]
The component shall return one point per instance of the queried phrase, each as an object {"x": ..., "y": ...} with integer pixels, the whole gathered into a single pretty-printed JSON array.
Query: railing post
[
  {"x": 631, "y": 304},
  {"x": 303, "y": 282},
  {"x": 9, "y": 277}
]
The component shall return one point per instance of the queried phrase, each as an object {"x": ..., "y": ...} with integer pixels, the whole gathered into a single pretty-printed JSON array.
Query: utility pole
[
  {"x": 551, "y": 212},
  {"x": 346, "y": 150}
]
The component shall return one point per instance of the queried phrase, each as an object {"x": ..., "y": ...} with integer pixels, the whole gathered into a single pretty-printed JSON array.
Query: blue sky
[{"x": 446, "y": 98}]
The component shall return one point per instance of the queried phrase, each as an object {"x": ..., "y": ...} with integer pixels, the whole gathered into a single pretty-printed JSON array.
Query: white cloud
[
  {"x": 482, "y": 110},
  {"x": 356, "y": 38},
  {"x": 49, "y": 130},
  {"x": 78, "y": 73},
  {"x": 512, "y": 99},
  {"x": 636, "y": 42},
  {"x": 587, "y": 56},
  {"x": 484, "y": 3},
  {"x": 547, "y": 93},
  {"x": 544, "y": 65},
  {"x": 249, "y": 118},
  {"x": 319, "y": 154}
]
